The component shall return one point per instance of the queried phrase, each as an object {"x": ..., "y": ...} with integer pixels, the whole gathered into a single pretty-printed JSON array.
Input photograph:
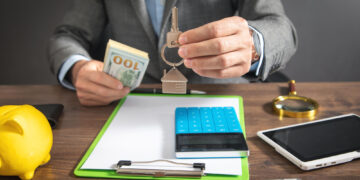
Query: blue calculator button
[
  {"x": 234, "y": 126},
  {"x": 205, "y": 116},
  {"x": 181, "y": 121},
  {"x": 195, "y": 130},
  {"x": 193, "y": 110},
  {"x": 191, "y": 119},
  {"x": 235, "y": 130},
  {"x": 192, "y": 114},
  {"x": 181, "y": 131},
  {"x": 205, "y": 111},
  {"x": 209, "y": 130},
  {"x": 181, "y": 117},
  {"x": 229, "y": 110},
  {"x": 206, "y": 120},
  {"x": 196, "y": 125},
  {"x": 221, "y": 129},
  {"x": 233, "y": 121},
  {"x": 181, "y": 110}
]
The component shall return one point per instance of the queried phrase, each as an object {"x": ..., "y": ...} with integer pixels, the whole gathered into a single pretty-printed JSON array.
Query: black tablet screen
[{"x": 321, "y": 139}]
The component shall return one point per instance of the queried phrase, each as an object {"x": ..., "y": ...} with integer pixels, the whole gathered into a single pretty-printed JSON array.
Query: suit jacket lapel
[{"x": 141, "y": 12}]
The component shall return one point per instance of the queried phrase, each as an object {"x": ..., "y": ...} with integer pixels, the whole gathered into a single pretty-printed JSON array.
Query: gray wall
[
  {"x": 329, "y": 39},
  {"x": 26, "y": 26}
]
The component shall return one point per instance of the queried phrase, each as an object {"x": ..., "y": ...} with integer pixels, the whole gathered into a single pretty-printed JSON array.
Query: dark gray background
[{"x": 329, "y": 39}]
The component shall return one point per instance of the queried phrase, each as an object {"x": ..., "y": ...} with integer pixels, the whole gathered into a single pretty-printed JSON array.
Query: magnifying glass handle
[{"x": 292, "y": 87}]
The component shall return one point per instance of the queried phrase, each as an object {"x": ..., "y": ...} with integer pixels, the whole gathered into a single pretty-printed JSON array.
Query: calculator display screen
[
  {"x": 320, "y": 139},
  {"x": 210, "y": 142}
]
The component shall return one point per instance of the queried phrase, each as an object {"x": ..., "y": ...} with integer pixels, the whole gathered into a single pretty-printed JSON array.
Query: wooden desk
[{"x": 79, "y": 125}]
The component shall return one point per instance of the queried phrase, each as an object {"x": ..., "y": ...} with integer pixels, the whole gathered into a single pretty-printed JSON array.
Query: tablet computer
[{"x": 318, "y": 143}]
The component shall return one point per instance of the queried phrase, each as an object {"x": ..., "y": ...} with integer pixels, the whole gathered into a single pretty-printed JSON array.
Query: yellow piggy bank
[{"x": 25, "y": 140}]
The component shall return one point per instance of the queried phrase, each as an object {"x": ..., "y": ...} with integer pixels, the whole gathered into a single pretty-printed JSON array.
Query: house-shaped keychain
[{"x": 173, "y": 82}]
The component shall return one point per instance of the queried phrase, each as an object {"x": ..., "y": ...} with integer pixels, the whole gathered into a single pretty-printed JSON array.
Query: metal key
[
  {"x": 173, "y": 82},
  {"x": 173, "y": 36}
]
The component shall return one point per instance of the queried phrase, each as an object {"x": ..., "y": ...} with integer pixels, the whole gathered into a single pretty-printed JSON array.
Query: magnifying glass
[{"x": 295, "y": 106}]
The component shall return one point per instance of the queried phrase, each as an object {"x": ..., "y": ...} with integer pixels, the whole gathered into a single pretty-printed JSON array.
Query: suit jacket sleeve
[
  {"x": 80, "y": 29},
  {"x": 268, "y": 17}
]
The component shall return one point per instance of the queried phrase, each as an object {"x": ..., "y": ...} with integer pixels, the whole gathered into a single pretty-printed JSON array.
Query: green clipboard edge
[{"x": 112, "y": 174}]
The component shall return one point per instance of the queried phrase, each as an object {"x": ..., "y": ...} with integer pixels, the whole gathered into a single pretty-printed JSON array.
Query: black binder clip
[{"x": 152, "y": 168}]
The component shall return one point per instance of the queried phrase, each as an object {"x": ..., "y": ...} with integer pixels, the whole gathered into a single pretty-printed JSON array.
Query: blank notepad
[{"x": 144, "y": 129}]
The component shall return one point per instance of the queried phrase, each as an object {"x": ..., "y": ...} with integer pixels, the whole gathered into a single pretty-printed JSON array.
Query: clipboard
[{"x": 112, "y": 173}]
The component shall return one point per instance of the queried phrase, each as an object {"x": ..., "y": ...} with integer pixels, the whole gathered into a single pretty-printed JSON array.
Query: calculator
[{"x": 209, "y": 132}]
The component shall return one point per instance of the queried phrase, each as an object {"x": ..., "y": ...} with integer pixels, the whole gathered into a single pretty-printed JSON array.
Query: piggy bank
[{"x": 25, "y": 140}]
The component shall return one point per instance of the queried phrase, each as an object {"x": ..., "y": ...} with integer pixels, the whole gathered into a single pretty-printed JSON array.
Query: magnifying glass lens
[{"x": 294, "y": 105}]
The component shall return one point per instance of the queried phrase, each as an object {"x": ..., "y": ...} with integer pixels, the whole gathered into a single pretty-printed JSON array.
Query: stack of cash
[{"x": 125, "y": 63}]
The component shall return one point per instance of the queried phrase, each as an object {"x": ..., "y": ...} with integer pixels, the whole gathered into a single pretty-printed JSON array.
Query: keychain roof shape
[{"x": 173, "y": 82}]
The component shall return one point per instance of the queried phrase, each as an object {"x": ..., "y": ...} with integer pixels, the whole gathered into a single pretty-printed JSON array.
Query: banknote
[{"x": 125, "y": 63}]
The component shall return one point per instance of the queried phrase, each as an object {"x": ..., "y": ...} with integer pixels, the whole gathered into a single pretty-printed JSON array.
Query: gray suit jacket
[{"x": 86, "y": 28}]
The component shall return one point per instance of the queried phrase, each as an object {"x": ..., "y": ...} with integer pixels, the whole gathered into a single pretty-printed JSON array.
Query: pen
[{"x": 158, "y": 91}]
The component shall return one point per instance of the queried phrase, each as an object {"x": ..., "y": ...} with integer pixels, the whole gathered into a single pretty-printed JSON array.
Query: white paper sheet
[{"x": 144, "y": 129}]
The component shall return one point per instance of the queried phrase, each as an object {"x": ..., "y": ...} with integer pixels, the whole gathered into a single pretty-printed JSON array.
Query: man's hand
[
  {"x": 94, "y": 87},
  {"x": 221, "y": 49}
]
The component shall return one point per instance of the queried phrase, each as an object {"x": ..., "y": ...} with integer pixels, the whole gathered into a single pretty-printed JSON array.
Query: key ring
[{"x": 166, "y": 61}]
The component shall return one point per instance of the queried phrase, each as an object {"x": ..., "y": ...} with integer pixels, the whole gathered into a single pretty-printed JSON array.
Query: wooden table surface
[{"x": 79, "y": 125}]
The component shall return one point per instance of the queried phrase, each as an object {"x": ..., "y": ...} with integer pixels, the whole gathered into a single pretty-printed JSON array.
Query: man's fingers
[
  {"x": 91, "y": 96},
  {"x": 224, "y": 27},
  {"x": 88, "y": 98},
  {"x": 214, "y": 46},
  {"x": 221, "y": 49},
  {"x": 89, "y": 102},
  {"x": 102, "y": 91},
  {"x": 104, "y": 79},
  {"x": 234, "y": 71},
  {"x": 94, "y": 87},
  {"x": 217, "y": 62}
]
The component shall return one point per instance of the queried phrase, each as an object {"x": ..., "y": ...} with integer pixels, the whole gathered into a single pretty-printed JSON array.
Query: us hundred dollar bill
[{"x": 125, "y": 63}]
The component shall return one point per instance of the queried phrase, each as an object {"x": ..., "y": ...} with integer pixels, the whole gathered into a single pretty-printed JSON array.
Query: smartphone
[
  {"x": 52, "y": 112},
  {"x": 317, "y": 144}
]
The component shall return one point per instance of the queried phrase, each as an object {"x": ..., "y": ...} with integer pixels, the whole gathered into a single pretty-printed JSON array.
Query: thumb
[{"x": 98, "y": 65}]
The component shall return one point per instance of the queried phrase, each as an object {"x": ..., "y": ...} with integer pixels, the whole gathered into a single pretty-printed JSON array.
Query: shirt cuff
[
  {"x": 259, "y": 47},
  {"x": 66, "y": 67}
]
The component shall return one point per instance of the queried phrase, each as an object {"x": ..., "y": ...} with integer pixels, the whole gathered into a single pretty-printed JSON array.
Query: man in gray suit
[{"x": 224, "y": 41}]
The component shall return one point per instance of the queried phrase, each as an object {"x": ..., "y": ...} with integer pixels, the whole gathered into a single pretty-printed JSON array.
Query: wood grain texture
[{"x": 79, "y": 125}]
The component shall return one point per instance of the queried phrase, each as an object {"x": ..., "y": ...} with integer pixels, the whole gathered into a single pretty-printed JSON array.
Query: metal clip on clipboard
[{"x": 195, "y": 170}]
